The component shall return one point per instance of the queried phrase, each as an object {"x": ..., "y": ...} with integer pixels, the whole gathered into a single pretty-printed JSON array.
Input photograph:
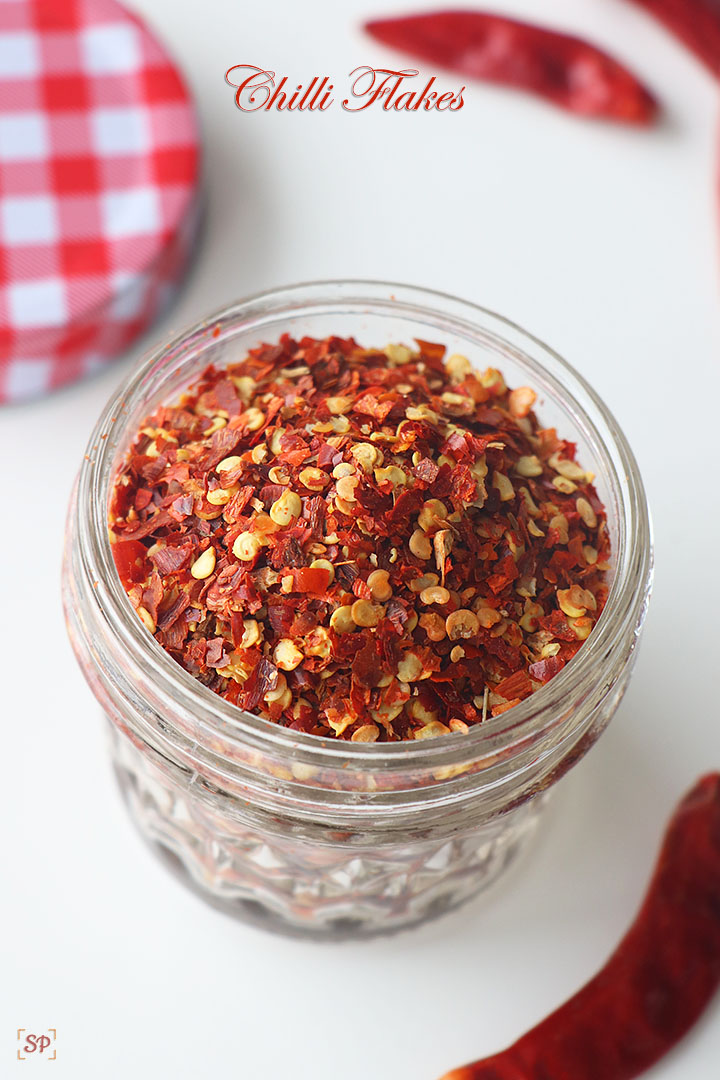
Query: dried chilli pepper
[
  {"x": 561, "y": 68},
  {"x": 694, "y": 22},
  {"x": 360, "y": 543},
  {"x": 658, "y": 981}
]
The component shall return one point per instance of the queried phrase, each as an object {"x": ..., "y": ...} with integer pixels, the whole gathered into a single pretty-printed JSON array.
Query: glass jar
[{"x": 322, "y": 836}]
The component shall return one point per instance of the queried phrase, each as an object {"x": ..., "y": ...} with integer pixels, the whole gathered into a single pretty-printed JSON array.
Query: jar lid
[{"x": 99, "y": 187}]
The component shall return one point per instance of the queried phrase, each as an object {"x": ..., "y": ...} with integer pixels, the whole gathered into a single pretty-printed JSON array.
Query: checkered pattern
[{"x": 99, "y": 176}]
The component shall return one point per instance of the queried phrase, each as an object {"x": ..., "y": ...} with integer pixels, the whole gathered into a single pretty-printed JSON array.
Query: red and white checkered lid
[{"x": 99, "y": 187}]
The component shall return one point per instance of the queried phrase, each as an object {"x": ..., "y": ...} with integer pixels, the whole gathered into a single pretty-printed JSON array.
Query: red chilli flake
[
  {"x": 655, "y": 985},
  {"x": 360, "y": 543}
]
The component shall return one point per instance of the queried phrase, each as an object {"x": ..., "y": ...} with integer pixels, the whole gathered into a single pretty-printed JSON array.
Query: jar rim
[{"x": 632, "y": 547}]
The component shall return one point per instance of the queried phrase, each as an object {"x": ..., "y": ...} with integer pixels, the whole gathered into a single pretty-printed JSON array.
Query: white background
[{"x": 601, "y": 240}]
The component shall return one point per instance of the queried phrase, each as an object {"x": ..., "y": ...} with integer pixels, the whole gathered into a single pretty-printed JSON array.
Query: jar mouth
[{"x": 631, "y": 540}]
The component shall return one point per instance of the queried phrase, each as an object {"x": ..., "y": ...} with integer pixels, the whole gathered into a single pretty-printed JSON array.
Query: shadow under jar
[{"x": 319, "y": 836}]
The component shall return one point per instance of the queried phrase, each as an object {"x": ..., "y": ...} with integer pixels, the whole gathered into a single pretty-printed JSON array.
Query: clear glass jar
[{"x": 327, "y": 837}]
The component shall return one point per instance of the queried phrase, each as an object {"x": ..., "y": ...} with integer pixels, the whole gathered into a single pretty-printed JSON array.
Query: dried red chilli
[
  {"x": 563, "y": 69},
  {"x": 695, "y": 22},
  {"x": 658, "y": 981},
  {"x": 361, "y": 543}
]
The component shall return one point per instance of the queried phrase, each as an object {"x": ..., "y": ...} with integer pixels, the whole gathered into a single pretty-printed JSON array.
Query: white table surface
[{"x": 602, "y": 241}]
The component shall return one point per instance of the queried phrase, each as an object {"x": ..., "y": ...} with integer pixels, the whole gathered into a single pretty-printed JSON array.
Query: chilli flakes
[{"x": 359, "y": 543}]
